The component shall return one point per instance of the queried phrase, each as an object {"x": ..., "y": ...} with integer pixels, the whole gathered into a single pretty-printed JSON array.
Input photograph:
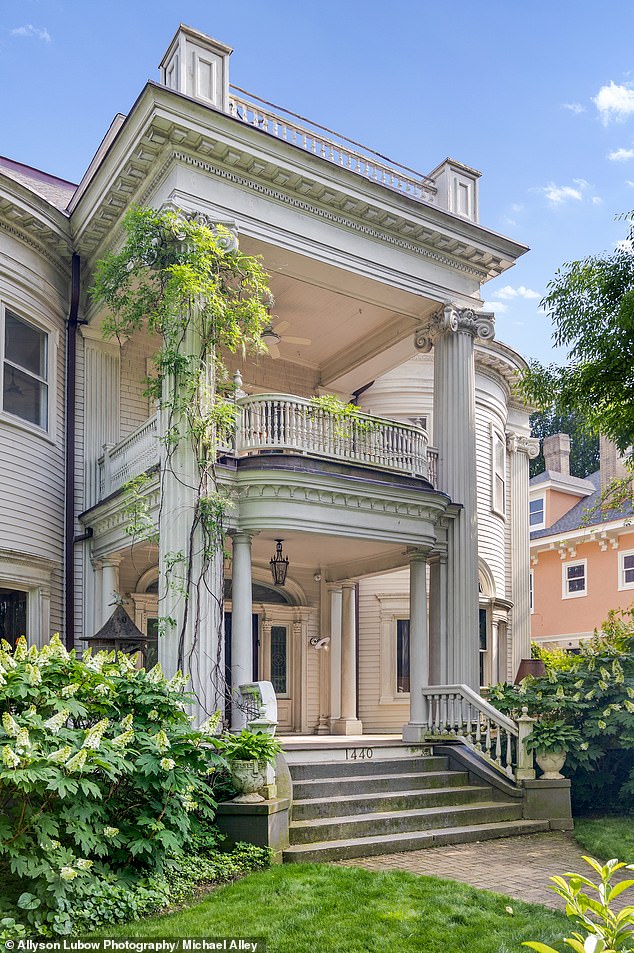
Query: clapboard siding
[
  {"x": 32, "y": 463},
  {"x": 374, "y": 683}
]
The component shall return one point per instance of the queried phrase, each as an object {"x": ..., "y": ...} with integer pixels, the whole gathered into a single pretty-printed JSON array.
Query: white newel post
[
  {"x": 454, "y": 435},
  {"x": 348, "y": 722},
  {"x": 109, "y": 585},
  {"x": 521, "y": 450},
  {"x": 414, "y": 731},
  {"x": 241, "y": 625}
]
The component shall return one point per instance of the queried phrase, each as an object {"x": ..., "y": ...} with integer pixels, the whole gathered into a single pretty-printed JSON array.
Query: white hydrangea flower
[
  {"x": 95, "y": 734},
  {"x": 60, "y": 756},
  {"x": 69, "y": 690},
  {"x": 10, "y": 758},
  {"x": 22, "y": 742},
  {"x": 68, "y": 873},
  {"x": 161, "y": 741},
  {"x": 153, "y": 715},
  {"x": 20, "y": 652},
  {"x": 110, "y": 831},
  {"x": 126, "y": 723},
  {"x": 167, "y": 764},
  {"x": 123, "y": 739},
  {"x": 10, "y": 725},
  {"x": 155, "y": 674},
  {"x": 83, "y": 864},
  {"x": 55, "y": 722},
  {"x": 78, "y": 761}
]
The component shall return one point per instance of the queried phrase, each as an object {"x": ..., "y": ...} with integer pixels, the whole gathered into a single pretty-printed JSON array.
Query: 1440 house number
[{"x": 359, "y": 754}]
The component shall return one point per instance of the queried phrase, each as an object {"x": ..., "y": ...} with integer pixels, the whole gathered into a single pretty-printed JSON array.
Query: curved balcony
[{"x": 269, "y": 423}]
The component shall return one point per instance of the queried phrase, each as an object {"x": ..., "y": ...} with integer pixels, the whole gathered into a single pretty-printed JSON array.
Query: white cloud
[
  {"x": 621, "y": 155},
  {"x": 630, "y": 183},
  {"x": 517, "y": 207},
  {"x": 496, "y": 306},
  {"x": 558, "y": 194},
  {"x": 39, "y": 33},
  {"x": 574, "y": 107},
  {"x": 508, "y": 292},
  {"x": 597, "y": 200},
  {"x": 614, "y": 102}
]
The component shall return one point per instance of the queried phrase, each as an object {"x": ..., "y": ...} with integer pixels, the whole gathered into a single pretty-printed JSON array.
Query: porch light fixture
[
  {"x": 269, "y": 336},
  {"x": 279, "y": 564}
]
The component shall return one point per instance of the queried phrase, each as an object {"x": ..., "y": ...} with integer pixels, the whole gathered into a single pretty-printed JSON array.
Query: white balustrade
[
  {"x": 278, "y": 422},
  {"x": 456, "y": 712},
  {"x": 341, "y": 151},
  {"x": 131, "y": 457}
]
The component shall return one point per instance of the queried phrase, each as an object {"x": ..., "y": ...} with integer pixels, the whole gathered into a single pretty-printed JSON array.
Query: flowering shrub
[
  {"x": 101, "y": 776},
  {"x": 593, "y": 693}
]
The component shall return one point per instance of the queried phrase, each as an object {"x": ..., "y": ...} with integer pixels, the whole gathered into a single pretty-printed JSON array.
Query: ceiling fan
[{"x": 274, "y": 336}]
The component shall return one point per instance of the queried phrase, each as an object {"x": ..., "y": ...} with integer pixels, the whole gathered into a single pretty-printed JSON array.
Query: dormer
[
  {"x": 555, "y": 492},
  {"x": 198, "y": 66}
]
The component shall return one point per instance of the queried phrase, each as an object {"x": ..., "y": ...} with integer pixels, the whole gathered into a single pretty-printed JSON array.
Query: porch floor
[{"x": 317, "y": 742}]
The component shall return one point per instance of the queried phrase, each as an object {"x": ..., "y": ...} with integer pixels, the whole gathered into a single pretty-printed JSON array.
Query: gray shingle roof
[
  {"x": 579, "y": 516},
  {"x": 55, "y": 191}
]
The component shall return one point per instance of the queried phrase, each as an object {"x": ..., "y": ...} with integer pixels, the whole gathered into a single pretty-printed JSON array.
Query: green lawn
[
  {"x": 318, "y": 909},
  {"x": 607, "y": 837}
]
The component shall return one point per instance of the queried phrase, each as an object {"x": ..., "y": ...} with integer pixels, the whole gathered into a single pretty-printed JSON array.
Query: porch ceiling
[
  {"x": 358, "y": 327},
  {"x": 339, "y": 558}
]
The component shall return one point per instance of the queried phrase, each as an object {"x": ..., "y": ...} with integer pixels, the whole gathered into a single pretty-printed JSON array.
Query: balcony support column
[
  {"x": 348, "y": 722},
  {"x": 414, "y": 731},
  {"x": 109, "y": 585},
  {"x": 241, "y": 625},
  {"x": 521, "y": 449},
  {"x": 454, "y": 434}
]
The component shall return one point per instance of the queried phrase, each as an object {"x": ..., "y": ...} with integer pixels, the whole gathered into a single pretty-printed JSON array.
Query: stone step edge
[
  {"x": 421, "y": 812},
  {"x": 442, "y": 835},
  {"x": 380, "y": 752},
  {"x": 417, "y": 792},
  {"x": 364, "y": 778}
]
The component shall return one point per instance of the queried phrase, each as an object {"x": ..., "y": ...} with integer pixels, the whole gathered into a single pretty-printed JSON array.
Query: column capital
[
  {"x": 518, "y": 443},
  {"x": 226, "y": 230},
  {"x": 450, "y": 320},
  {"x": 112, "y": 559},
  {"x": 238, "y": 536}
]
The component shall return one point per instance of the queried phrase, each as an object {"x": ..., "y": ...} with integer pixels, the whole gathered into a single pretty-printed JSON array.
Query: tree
[
  {"x": 591, "y": 304},
  {"x": 584, "y": 446}
]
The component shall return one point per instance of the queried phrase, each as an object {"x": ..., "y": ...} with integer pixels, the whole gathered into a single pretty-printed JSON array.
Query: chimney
[
  {"x": 197, "y": 65},
  {"x": 613, "y": 463},
  {"x": 556, "y": 450}
]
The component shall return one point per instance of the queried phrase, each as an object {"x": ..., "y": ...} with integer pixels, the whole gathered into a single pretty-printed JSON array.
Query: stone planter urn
[
  {"x": 248, "y": 777},
  {"x": 551, "y": 763}
]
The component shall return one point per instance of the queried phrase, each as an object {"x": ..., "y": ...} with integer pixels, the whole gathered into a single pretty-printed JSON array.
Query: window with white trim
[
  {"x": 626, "y": 570},
  {"x": 537, "y": 513},
  {"x": 13, "y": 614},
  {"x": 574, "y": 579},
  {"x": 498, "y": 488},
  {"x": 25, "y": 370}
]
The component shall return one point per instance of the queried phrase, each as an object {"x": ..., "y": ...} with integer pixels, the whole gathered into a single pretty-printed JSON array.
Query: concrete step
[
  {"x": 393, "y": 843},
  {"x": 310, "y": 771},
  {"x": 398, "y": 822},
  {"x": 374, "y": 784},
  {"x": 361, "y": 748},
  {"x": 353, "y": 804}
]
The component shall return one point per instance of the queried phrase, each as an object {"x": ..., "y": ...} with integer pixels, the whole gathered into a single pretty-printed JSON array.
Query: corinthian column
[
  {"x": 521, "y": 450},
  {"x": 454, "y": 434}
]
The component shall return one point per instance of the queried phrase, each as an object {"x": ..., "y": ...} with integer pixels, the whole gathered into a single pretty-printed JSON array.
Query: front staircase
[{"x": 386, "y": 797}]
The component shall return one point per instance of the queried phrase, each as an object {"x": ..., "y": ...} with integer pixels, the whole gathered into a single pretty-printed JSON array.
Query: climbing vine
[{"x": 187, "y": 282}]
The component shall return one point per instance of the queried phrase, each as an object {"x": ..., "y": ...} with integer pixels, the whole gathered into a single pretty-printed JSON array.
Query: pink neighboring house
[{"x": 582, "y": 561}]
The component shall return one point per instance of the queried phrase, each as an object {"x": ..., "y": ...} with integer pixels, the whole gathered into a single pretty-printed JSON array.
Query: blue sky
[{"x": 536, "y": 94}]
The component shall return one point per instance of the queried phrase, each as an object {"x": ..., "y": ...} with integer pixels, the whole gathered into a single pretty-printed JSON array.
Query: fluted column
[
  {"x": 521, "y": 450},
  {"x": 241, "y": 625},
  {"x": 414, "y": 731},
  {"x": 348, "y": 722},
  {"x": 454, "y": 435}
]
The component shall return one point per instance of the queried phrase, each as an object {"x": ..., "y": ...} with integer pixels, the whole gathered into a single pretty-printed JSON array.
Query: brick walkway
[{"x": 516, "y": 866}]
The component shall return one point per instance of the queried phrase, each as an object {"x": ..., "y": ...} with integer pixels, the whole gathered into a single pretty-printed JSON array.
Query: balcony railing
[
  {"x": 129, "y": 458},
  {"x": 277, "y": 422},
  {"x": 318, "y": 139}
]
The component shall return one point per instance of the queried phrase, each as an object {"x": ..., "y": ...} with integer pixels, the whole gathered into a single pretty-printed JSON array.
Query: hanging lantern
[{"x": 279, "y": 564}]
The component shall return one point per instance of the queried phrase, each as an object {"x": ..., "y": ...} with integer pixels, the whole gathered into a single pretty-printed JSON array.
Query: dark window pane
[
  {"x": 12, "y": 614},
  {"x": 24, "y": 345},
  {"x": 24, "y": 396},
  {"x": 402, "y": 655},
  {"x": 279, "y": 658},
  {"x": 151, "y": 649}
]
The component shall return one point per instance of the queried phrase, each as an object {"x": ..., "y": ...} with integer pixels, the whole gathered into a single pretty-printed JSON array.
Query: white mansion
[{"x": 408, "y": 555}]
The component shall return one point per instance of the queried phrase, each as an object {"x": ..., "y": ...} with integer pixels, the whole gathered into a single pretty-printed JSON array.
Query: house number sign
[{"x": 359, "y": 754}]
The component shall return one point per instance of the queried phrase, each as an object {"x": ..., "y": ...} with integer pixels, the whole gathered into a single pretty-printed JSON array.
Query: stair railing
[{"x": 457, "y": 713}]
